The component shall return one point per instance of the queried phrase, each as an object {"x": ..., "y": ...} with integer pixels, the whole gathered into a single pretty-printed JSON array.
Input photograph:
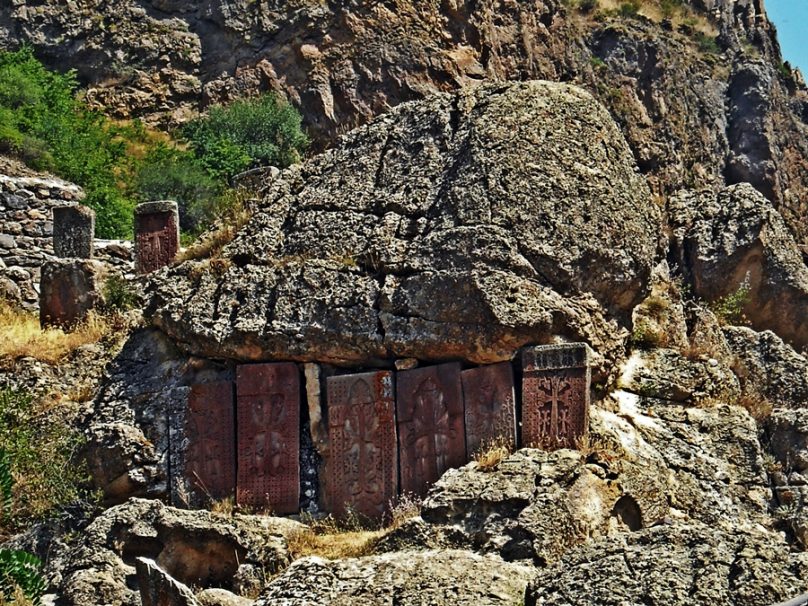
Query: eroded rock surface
[{"x": 459, "y": 227}]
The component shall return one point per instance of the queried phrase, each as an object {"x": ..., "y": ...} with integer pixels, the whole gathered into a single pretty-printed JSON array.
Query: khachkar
[
  {"x": 490, "y": 410},
  {"x": 555, "y": 395},
  {"x": 157, "y": 235},
  {"x": 268, "y": 419},
  {"x": 73, "y": 232},
  {"x": 431, "y": 435},
  {"x": 363, "y": 470},
  {"x": 202, "y": 446}
]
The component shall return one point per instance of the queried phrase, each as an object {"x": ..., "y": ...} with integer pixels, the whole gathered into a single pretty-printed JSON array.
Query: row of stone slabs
[{"x": 389, "y": 433}]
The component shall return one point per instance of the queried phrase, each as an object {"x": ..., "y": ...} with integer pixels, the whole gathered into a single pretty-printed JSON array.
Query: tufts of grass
[
  {"x": 333, "y": 539},
  {"x": 21, "y": 335},
  {"x": 491, "y": 454}
]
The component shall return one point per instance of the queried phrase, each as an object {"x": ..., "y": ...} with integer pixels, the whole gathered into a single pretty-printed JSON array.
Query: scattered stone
[
  {"x": 73, "y": 231},
  {"x": 157, "y": 588},
  {"x": 221, "y": 597}
]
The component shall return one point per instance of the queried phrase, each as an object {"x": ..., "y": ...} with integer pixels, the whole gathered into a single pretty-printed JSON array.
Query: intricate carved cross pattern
[{"x": 555, "y": 408}]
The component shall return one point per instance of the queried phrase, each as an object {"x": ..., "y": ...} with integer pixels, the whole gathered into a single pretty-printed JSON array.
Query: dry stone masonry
[{"x": 388, "y": 432}]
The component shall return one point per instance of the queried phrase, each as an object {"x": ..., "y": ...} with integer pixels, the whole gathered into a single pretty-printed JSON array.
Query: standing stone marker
[
  {"x": 69, "y": 289},
  {"x": 203, "y": 452},
  {"x": 73, "y": 231},
  {"x": 363, "y": 470},
  {"x": 555, "y": 395},
  {"x": 430, "y": 425},
  {"x": 488, "y": 394},
  {"x": 268, "y": 403},
  {"x": 157, "y": 235}
]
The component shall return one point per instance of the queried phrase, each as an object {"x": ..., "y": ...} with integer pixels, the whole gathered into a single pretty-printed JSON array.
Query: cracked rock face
[{"x": 462, "y": 226}]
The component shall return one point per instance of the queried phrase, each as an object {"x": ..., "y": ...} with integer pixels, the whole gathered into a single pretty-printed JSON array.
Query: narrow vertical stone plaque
[
  {"x": 488, "y": 394},
  {"x": 363, "y": 470},
  {"x": 430, "y": 425},
  {"x": 204, "y": 458},
  {"x": 157, "y": 235},
  {"x": 73, "y": 231},
  {"x": 268, "y": 403},
  {"x": 555, "y": 395}
]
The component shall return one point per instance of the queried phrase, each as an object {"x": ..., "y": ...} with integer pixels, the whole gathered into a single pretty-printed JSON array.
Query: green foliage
[
  {"x": 6, "y": 484},
  {"x": 20, "y": 569},
  {"x": 729, "y": 309},
  {"x": 40, "y": 450},
  {"x": 170, "y": 173},
  {"x": 49, "y": 129},
  {"x": 246, "y": 134},
  {"x": 119, "y": 295},
  {"x": 629, "y": 8},
  {"x": 708, "y": 44},
  {"x": 587, "y": 6},
  {"x": 669, "y": 7},
  {"x": 597, "y": 62}
]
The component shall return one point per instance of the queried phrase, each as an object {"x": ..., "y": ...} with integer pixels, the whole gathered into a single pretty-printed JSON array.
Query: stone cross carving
[
  {"x": 157, "y": 235},
  {"x": 268, "y": 403},
  {"x": 73, "y": 231},
  {"x": 555, "y": 395},
  {"x": 430, "y": 425},
  {"x": 363, "y": 470},
  {"x": 488, "y": 393},
  {"x": 203, "y": 445}
]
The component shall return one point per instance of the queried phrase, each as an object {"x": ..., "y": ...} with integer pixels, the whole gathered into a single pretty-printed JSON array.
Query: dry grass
[
  {"x": 491, "y": 454},
  {"x": 225, "y": 506},
  {"x": 756, "y": 404},
  {"x": 333, "y": 540},
  {"x": 21, "y": 335},
  {"x": 233, "y": 216},
  {"x": 18, "y": 598}
]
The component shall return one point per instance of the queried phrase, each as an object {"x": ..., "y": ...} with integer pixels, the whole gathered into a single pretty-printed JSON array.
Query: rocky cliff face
[{"x": 695, "y": 112}]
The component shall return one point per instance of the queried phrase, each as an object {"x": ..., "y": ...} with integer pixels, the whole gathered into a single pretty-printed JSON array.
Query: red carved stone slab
[
  {"x": 431, "y": 436},
  {"x": 555, "y": 395},
  {"x": 156, "y": 235},
  {"x": 210, "y": 457},
  {"x": 363, "y": 469},
  {"x": 268, "y": 397},
  {"x": 489, "y": 399}
]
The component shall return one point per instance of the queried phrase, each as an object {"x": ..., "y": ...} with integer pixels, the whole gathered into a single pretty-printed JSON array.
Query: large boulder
[
  {"x": 463, "y": 226},
  {"x": 675, "y": 565},
  {"x": 438, "y": 578},
  {"x": 196, "y": 548},
  {"x": 735, "y": 242}
]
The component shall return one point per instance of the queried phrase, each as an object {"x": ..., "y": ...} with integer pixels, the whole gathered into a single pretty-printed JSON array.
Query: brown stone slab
[
  {"x": 431, "y": 436},
  {"x": 73, "y": 231},
  {"x": 555, "y": 395},
  {"x": 363, "y": 470},
  {"x": 488, "y": 394},
  {"x": 210, "y": 454},
  {"x": 268, "y": 403},
  {"x": 157, "y": 236}
]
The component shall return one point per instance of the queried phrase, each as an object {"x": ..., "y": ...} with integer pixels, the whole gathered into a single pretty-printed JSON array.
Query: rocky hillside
[{"x": 702, "y": 97}]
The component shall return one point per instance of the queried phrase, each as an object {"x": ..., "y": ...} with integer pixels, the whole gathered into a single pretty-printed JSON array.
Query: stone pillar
[
  {"x": 69, "y": 290},
  {"x": 73, "y": 232},
  {"x": 555, "y": 395},
  {"x": 157, "y": 235}
]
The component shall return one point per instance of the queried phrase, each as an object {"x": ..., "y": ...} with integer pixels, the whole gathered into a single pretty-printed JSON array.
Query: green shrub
[
  {"x": 41, "y": 449},
  {"x": 629, "y": 8},
  {"x": 6, "y": 484},
  {"x": 729, "y": 309},
  {"x": 19, "y": 569},
  {"x": 708, "y": 44},
  {"x": 119, "y": 295},
  {"x": 246, "y": 134}
]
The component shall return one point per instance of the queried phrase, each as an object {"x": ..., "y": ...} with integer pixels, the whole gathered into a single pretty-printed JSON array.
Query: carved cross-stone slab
[
  {"x": 489, "y": 399},
  {"x": 363, "y": 469},
  {"x": 268, "y": 403},
  {"x": 431, "y": 435},
  {"x": 555, "y": 395},
  {"x": 204, "y": 451},
  {"x": 73, "y": 231},
  {"x": 157, "y": 235}
]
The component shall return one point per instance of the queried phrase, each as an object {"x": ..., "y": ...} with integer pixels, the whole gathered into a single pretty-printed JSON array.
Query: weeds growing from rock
[{"x": 491, "y": 454}]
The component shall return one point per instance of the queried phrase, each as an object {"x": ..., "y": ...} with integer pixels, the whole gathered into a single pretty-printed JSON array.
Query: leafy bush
[
  {"x": 41, "y": 449},
  {"x": 246, "y": 134},
  {"x": 19, "y": 569},
  {"x": 119, "y": 295},
  {"x": 729, "y": 309},
  {"x": 629, "y": 8}
]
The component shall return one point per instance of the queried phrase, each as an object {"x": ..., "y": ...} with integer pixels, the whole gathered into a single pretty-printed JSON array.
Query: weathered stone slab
[
  {"x": 203, "y": 451},
  {"x": 69, "y": 289},
  {"x": 158, "y": 588},
  {"x": 73, "y": 231},
  {"x": 363, "y": 470},
  {"x": 555, "y": 395},
  {"x": 431, "y": 434},
  {"x": 157, "y": 235},
  {"x": 268, "y": 403},
  {"x": 488, "y": 395}
]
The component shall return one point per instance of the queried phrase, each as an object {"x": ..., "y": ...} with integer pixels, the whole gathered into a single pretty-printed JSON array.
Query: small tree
[{"x": 249, "y": 133}]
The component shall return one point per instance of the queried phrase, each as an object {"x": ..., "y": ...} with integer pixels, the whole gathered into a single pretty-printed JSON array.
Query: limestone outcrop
[{"x": 460, "y": 227}]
